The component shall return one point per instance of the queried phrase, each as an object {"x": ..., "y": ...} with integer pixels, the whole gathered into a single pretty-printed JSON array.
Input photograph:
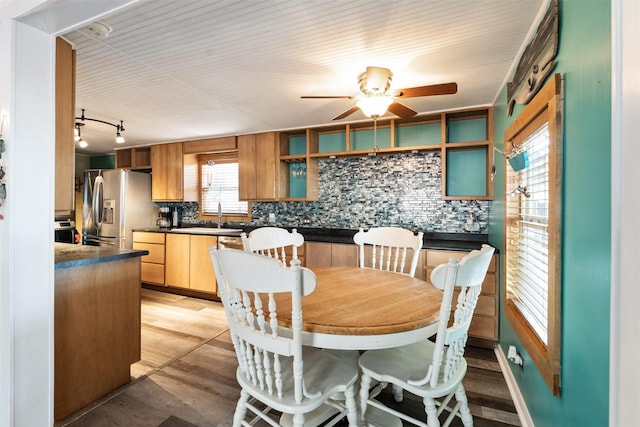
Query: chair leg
[
  {"x": 298, "y": 420},
  {"x": 350, "y": 402},
  {"x": 241, "y": 409},
  {"x": 432, "y": 412},
  {"x": 397, "y": 392},
  {"x": 365, "y": 383},
  {"x": 465, "y": 413}
]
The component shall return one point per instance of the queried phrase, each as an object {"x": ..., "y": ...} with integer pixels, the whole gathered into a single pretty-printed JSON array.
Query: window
[
  {"x": 532, "y": 231},
  {"x": 219, "y": 187}
]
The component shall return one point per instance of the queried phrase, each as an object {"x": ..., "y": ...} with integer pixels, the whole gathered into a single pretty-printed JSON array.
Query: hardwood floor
[{"x": 186, "y": 376}]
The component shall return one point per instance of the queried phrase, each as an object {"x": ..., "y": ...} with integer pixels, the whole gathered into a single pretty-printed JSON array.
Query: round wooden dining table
[{"x": 355, "y": 308}]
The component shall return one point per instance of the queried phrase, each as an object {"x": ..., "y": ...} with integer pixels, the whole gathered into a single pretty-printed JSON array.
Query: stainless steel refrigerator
[{"x": 115, "y": 201}]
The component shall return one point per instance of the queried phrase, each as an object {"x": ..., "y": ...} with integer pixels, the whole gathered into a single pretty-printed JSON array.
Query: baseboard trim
[{"x": 514, "y": 390}]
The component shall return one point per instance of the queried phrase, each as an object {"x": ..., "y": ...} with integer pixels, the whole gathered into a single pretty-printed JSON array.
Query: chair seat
[
  {"x": 411, "y": 362},
  {"x": 324, "y": 373}
]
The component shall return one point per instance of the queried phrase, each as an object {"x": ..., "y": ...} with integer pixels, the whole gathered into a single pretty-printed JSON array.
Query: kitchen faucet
[{"x": 219, "y": 215}]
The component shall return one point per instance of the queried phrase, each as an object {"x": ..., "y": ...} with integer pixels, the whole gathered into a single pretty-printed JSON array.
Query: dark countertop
[
  {"x": 442, "y": 241},
  {"x": 69, "y": 255}
]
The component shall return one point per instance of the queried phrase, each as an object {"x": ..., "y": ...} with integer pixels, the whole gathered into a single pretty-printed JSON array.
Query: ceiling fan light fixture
[
  {"x": 373, "y": 105},
  {"x": 376, "y": 98},
  {"x": 375, "y": 80}
]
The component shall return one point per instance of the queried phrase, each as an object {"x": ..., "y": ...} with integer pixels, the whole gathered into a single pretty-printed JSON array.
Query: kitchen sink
[{"x": 208, "y": 230}]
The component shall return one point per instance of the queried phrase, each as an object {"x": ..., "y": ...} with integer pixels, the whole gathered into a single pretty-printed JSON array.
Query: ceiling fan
[{"x": 376, "y": 98}]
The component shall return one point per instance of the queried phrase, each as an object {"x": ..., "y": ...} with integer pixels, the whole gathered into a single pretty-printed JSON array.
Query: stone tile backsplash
[{"x": 399, "y": 190}]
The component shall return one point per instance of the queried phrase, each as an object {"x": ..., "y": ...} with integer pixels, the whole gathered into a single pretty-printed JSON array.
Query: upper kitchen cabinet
[
  {"x": 135, "y": 158},
  {"x": 167, "y": 172},
  {"x": 298, "y": 171},
  {"x": 210, "y": 145},
  {"x": 464, "y": 139},
  {"x": 65, "y": 119},
  {"x": 258, "y": 166}
]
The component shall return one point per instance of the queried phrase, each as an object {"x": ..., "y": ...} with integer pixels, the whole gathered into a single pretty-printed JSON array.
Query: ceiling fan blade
[
  {"x": 328, "y": 97},
  {"x": 347, "y": 113},
  {"x": 439, "y": 89},
  {"x": 401, "y": 111}
]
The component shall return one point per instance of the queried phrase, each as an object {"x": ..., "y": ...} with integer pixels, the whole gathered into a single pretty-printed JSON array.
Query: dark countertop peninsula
[
  {"x": 97, "y": 322},
  {"x": 442, "y": 241},
  {"x": 69, "y": 255}
]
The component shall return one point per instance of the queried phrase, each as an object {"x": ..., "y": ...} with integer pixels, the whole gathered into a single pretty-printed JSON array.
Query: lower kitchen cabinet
[
  {"x": 152, "y": 265},
  {"x": 484, "y": 324},
  {"x": 201, "y": 274},
  {"x": 188, "y": 263},
  {"x": 321, "y": 254}
]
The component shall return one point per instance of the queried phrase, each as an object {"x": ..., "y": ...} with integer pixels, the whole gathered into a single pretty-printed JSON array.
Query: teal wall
[
  {"x": 107, "y": 161},
  {"x": 584, "y": 58}
]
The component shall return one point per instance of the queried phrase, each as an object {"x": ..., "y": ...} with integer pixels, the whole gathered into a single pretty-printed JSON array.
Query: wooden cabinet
[
  {"x": 177, "y": 263},
  {"x": 321, "y": 254},
  {"x": 152, "y": 265},
  {"x": 134, "y": 158},
  {"x": 298, "y": 171},
  {"x": 97, "y": 331},
  {"x": 191, "y": 183},
  {"x": 167, "y": 172},
  {"x": 258, "y": 166},
  {"x": 209, "y": 145},
  {"x": 188, "y": 263},
  {"x": 201, "y": 274},
  {"x": 484, "y": 324},
  {"x": 65, "y": 121}
]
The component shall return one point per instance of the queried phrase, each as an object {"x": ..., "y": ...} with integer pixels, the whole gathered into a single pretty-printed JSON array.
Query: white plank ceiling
[{"x": 187, "y": 69}]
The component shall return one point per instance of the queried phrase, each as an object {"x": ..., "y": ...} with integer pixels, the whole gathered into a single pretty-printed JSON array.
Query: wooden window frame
[
  {"x": 546, "y": 106},
  {"x": 222, "y": 157}
]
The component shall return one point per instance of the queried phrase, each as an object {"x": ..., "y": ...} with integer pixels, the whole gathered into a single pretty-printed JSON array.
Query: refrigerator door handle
[{"x": 98, "y": 199}]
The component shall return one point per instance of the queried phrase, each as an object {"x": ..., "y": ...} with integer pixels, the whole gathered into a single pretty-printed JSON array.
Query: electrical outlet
[
  {"x": 515, "y": 357},
  {"x": 272, "y": 217}
]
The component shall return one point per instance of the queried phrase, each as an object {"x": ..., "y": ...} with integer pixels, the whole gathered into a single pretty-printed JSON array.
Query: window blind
[
  {"x": 219, "y": 184},
  {"x": 527, "y": 216}
]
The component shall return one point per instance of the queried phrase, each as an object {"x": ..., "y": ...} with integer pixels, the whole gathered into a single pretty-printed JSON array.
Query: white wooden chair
[
  {"x": 389, "y": 249},
  {"x": 273, "y": 242},
  {"x": 427, "y": 369},
  {"x": 274, "y": 368}
]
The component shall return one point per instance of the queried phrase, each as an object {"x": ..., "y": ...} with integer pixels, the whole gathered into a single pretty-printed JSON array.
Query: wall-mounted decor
[{"x": 536, "y": 62}]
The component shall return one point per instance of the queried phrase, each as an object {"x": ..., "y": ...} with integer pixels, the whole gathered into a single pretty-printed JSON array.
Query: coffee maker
[{"x": 164, "y": 217}]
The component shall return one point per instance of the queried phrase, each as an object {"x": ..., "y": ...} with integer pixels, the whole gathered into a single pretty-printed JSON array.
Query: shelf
[
  {"x": 465, "y": 172},
  {"x": 428, "y": 133},
  {"x": 464, "y": 138},
  {"x": 467, "y": 126},
  {"x": 133, "y": 158}
]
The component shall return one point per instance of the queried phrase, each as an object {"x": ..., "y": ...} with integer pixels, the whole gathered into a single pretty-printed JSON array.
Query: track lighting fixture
[{"x": 80, "y": 121}]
